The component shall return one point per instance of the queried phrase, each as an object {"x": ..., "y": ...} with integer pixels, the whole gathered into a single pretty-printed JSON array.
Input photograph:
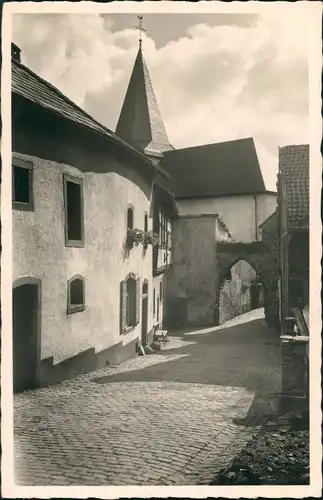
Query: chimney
[{"x": 15, "y": 52}]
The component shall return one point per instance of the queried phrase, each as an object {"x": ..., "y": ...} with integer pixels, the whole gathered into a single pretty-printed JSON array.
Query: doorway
[
  {"x": 26, "y": 334},
  {"x": 144, "y": 316}
]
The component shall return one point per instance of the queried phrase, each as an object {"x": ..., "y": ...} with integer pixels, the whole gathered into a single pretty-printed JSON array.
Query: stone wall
[{"x": 192, "y": 279}]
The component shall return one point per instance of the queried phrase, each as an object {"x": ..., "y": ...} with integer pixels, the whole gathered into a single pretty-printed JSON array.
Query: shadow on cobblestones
[{"x": 223, "y": 358}]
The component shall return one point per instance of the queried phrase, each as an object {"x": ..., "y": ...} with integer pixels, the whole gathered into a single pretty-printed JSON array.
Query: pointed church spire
[{"x": 140, "y": 122}]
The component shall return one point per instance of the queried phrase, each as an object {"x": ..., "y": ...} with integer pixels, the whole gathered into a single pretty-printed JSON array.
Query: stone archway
[
  {"x": 263, "y": 258},
  {"x": 239, "y": 292}
]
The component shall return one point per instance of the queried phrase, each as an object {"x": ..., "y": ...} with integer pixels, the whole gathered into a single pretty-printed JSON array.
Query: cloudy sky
[{"x": 217, "y": 77}]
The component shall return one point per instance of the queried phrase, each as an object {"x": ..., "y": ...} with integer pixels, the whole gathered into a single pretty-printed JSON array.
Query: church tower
[{"x": 140, "y": 122}]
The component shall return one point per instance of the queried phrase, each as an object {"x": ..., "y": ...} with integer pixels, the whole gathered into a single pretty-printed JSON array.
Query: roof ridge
[
  {"x": 213, "y": 144},
  {"x": 294, "y": 146}
]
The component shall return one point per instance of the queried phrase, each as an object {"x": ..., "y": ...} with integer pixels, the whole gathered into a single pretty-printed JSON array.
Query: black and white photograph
[{"x": 161, "y": 245}]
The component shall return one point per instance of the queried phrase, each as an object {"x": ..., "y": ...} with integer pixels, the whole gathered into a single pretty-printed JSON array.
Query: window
[
  {"x": 157, "y": 308},
  {"x": 169, "y": 234},
  {"x": 75, "y": 294},
  {"x": 161, "y": 291},
  {"x": 154, "y": 302},
  {"x": 74, "y": 225},
  {"x": 146, "y": 223},
  {"x": 130, "y": 218},
  {"x": 164, "y": 230},
  {"x": 22, "y": 185},
  {"x": 129, "y": 303}
]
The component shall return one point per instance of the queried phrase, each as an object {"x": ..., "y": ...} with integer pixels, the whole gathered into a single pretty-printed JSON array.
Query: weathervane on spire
[{"x": 141, "y": 29}]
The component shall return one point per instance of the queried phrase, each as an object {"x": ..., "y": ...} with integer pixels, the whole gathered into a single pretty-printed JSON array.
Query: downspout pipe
[{"x": 256, "y": 219}]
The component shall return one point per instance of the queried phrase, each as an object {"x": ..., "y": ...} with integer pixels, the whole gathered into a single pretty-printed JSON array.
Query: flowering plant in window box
[
  {"x": 150, "y": 238},
  {"x": 135, "y": 237}
]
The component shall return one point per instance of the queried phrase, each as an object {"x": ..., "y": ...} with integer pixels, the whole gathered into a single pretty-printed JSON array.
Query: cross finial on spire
[{"x": 141, "y": 29}]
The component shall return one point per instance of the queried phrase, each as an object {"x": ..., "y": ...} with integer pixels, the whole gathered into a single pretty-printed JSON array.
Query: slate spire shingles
[
  {"x": 294, "y": 174},
  {"x": 140, "y": 122}
]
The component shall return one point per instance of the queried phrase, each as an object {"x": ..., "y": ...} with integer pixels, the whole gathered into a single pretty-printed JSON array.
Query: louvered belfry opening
[{"x": 15, "y": 52}]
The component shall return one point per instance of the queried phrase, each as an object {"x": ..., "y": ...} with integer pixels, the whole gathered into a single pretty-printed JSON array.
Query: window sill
[
  {"x": 26, "y": 207},
  {"x": 129, "y": 329},
  {"x": 161, "y": 270},
  {"x": 75, "y": 309},
  {"x": 74, "y": 243}
]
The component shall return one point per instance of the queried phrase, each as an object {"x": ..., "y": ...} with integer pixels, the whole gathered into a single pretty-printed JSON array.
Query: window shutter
[
  {"x": 123, "y": 307},
  {"x": 137, "y": 300}
]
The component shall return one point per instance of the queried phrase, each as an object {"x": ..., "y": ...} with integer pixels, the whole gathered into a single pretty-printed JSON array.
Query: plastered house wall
[
  {"x": 39, "y": 251},
  {"x": 241, "y": 213}
]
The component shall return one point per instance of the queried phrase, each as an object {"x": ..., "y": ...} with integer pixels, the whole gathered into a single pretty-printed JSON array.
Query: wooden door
[{"x": 25, "y": 311}]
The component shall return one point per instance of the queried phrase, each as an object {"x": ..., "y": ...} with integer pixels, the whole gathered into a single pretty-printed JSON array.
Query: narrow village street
[{"x": 173, "y": 418}]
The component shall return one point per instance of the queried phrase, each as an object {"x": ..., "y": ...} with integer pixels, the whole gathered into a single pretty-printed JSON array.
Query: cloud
[{"x": 214, "y": 81}]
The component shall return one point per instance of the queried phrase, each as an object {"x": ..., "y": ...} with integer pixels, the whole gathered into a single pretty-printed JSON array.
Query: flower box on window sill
[
  {"x": 134, "y": 237},
  {"x": 150, "y": 238}
]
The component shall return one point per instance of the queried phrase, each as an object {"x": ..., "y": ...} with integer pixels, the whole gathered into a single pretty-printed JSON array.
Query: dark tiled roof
[
  {"x": 29, "y": 85},
  {"x": 215, "y": 169},
  {"x": 140, "y": 122},
  {"x": 269, "y": 219},
  {"x": 294, "y": 172}
]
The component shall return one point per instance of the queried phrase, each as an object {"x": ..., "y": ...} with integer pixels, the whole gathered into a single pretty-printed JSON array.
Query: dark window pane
[
  {"x": 74, "y": 215},
  {"x": 77, "y": 292},
  {"x": 21, "y": 184},
  {"x": 131, "y": 302},
  {"x": 130, "y": 218}
]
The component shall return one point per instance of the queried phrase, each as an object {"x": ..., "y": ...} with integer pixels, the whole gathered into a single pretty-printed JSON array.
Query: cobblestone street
[{"x": 164, "y": 419}]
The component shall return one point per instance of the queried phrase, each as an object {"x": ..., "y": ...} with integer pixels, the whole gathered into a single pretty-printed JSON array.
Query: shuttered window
[{"x": 129, "y": 303}]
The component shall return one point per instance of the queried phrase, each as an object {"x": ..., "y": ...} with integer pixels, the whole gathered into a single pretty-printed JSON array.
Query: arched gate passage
[{"x": 263, "y": 258}]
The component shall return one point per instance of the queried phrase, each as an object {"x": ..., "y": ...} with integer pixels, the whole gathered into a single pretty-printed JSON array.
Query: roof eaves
[
  {"x": 200, "y": 196},
  {"x": 179, "y": 150},
  {"x": 271, "y": 216},
  {"x": 223, "y": 225}
]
